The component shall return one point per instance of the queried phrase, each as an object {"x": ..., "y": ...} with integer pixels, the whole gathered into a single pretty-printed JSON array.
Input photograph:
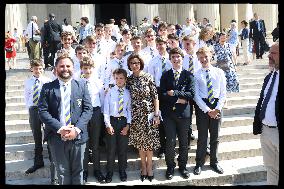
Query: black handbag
[
  {"x": 54, "y": 36},
  {"x": 9, "y": 50}
]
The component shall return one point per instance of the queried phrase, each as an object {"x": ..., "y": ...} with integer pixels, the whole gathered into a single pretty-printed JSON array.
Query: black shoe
[
  {"x": 34, "y": 168},
  {"x": 109, "y": 177},
  {"x": 184, "y": 173},
  {"x": 85, "y": 176},
  {"x": 192, "y": 137},
  {"x": 54, "y": 182},
  {"x": 122, "y": 176},
  {"x": 217, "y": 168},
  {"x": 99, "y": 176},
  {"x": 142, "y": 177},
  {"x": 150, "y": 178},
  {"x": 170, "y": 173},
  {"x": 197, "y": 170},
  {"x": 161, "y": 153}
]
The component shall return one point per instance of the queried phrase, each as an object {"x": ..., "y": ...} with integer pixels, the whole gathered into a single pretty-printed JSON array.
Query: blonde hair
[
  {"x": 204, "y": 50},
  {"x": 87, "y": 61}
]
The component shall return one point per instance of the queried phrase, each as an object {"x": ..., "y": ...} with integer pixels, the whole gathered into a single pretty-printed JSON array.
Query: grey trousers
[{"x": 68, "y": 159}]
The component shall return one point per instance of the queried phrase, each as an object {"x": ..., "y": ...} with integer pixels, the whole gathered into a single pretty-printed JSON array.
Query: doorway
[{"x": 104, "y": 12}]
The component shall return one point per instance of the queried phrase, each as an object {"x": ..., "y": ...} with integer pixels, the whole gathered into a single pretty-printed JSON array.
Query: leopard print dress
[{"x": 142, "y": 135}]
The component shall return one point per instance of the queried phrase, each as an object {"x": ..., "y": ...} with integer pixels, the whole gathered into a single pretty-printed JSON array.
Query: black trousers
[
  {"x": 176, "y": 126},
  {"x": 205, "y": 123},
  {"x": 52, "y": 49},
  {"x": 36, "y": 125},
  {"x": 95, "y": 126},
  {"x": 259, "y": 41},
  {"x": 162, "y": 134},
  {"x": 117, "y": 143}
]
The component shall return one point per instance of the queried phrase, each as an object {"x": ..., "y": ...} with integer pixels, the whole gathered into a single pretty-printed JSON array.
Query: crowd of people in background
[{"x": 134, "y": 86}]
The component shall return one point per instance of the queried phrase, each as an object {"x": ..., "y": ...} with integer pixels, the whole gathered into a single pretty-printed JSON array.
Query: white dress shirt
[
  {"x": 199, "y": 44},
  {"x": 96, "y": 90},
  {"x": 155, "y": 67},
  {"x": 111, "y": 66},
  {"x": 76, "y": 65},
  {"x": 196, "y": 63},
  {"x": 29, "y": 31},
  {"x": 111, "y": 105},
  {"x": 218, "y": 83},
  {"x": 100, "y": 65},
  {"x": 270, "y": 118},
  {"x": 29, "y": 83},
  {"x": 147, "y": 50}
]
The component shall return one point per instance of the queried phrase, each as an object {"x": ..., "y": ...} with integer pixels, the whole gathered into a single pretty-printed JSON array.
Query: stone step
[
  {"x": 14, "y": 80},
  {"x": 15, "y": 106},
  {"x": 252, "y": 70},
  {"x": 252, "y": 75},
  {"x": 251, "y": 86},
  {"x": 17, "y": 125},
  {"x": 229, "y": 110},
  {"x": 251, "y": 80},
  {"x": 242, "y": 100},
  {"x": 15, "y": 99},
  {"x": 12, "y": 93},
  {"x": 244, "y": 93},
  {"x": 25, "y": 150},
  {"x": 235, "y": 171}
]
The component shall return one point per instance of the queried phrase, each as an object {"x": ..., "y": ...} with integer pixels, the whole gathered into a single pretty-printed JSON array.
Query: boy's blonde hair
[
  {"x": 87, "y": 61},
  {"x": 36, "y": 62}
]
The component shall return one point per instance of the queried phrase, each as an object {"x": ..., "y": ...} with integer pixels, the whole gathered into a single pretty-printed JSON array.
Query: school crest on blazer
[{"x": 79, "y": 102}]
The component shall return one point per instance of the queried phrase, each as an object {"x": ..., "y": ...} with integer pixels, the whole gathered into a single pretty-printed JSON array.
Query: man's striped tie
[
  {"x": 99, "y": 48},
  {"x": 210, "y": 88},
  {"x": 66, "y": 102},
  {"x": 35, "y": 92},
  {"x": 120, "y": 102},
  {"x": 177, "y": 74},
  {"x": 152, "y": 52},
  {"x": 120, "y": 64},
  {"x": 190, "y": 64},
  {"x": 163, "y": 65}
]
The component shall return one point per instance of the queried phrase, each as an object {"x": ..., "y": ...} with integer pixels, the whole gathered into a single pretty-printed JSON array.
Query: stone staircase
[{"x": 239, "y": 150}]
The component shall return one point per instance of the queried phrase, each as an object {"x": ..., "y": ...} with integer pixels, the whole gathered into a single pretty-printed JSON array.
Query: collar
[
  {"x": 116, "y": 87},
  {"x": 179, "y": 70},
  {"x": 61, "y": 83},
  {"x": 34, "y": 78},
  {"x": 210, "y": 67},
  {"x": 166, "y": 56}
]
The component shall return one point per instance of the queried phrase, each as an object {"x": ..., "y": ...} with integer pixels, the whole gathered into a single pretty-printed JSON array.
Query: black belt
[
  {"x": 272, "y": 127},
  {"x": 118, "y": 118},
  {"x": 34, "y": 107},
  {"x": 96, "y": 108}
]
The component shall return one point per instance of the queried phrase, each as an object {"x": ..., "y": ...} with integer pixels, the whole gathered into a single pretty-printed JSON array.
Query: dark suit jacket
[
  {"x": 49, "y": 107},
  {"x": 184, "y": 90},
  {"x": 55, "y": 28},
  {"x": 257, "y": 123},
  {"x": 254, "y": 32}
]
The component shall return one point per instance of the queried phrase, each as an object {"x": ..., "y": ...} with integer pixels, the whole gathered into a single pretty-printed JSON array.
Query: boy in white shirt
[
  {"x": 32, "y": 90},
  {"x": 117, "y": 117},
  {"x": 95, "y": 87},
  {"x": 150, "y": 48},
  {"x": 80, "y": 51}
]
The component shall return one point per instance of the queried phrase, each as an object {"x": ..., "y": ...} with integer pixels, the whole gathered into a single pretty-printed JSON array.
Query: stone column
[
  {"x": 210, "y": 11},
  {"x": 171, "y": 13},
  {"x": 133, "y": 14},
  {"x": 80, "y": 10},
  {"x": 244, "y": 13},
  {"x": 16, "y": 17},
  {"x": 146, "y": 10},
  {"x": 228, "y": 13},
  {"x": 269, "y": 13},
  {"x": 184, "y": 11},
  {"x": 162, "y": 11}
]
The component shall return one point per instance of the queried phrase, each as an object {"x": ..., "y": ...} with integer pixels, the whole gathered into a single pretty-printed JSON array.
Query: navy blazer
[
  {"x": 184, "y": 90},
  {"x": 49, "y": 107},
  {"x": 254, "y": 32},
  {"x": 257, "y": 123}
]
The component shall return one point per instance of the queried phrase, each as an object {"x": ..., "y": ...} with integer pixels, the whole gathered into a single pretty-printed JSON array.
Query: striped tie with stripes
[
  {"x": 163, "y": 65},
  {"x": 120, "y": 102},
  {"x": 177, "y": 74},
  {"x": 209, "y": 87},
  {"x": 66, "y": 102},
  {"x": 190, "y": 64},
  {"x": 36, "y": 92}
]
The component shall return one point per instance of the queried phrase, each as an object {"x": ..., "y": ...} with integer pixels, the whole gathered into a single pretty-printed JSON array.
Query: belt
[
  {"x": 118, "y": 118},
  {"x": 274, "y": 127}
]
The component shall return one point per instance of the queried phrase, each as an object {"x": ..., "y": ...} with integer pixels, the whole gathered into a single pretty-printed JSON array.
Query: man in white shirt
[
  {"x": 189, "y": 29},
  {"x": 33, "y": 29},
  {"x": 210, "y": 96},
  {"x": 85, "y": 30},
  {"x": 266, "y": 119},
  {"x": 126, "y": 36},
  {"x": 110, "y": 44},
  {"x": 150, "y": 48}
]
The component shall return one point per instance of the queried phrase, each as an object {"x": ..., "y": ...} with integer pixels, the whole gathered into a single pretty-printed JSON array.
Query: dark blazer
[
  {"x": 254, "y": 32},
  {"x": 56, "y": 28},
  {"x": 257, "y": 123},
  {"x": 184, "y": 90},
  {"x": 49, "y": 107}
]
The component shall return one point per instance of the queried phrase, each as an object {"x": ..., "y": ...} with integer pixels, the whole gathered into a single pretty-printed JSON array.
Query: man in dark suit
[
  {"x": 177, "y": 88},
  {"x": 65, "y": 108},
  {"x": 266, "y": 119},
  {"x": 258, "y": 34},
  {"x": 52, "y": 37}
]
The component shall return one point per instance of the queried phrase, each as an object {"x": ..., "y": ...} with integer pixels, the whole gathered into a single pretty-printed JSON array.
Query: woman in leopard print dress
[{"x": 143, "y": 135}]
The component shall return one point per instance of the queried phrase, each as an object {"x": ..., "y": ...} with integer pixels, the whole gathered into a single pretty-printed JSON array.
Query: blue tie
[
  {"x": 267, "y": 97},
  {"x": 66, "y": 101},
  {"x": 36, "y": 92},
  {"x": 209, "y": 87}
]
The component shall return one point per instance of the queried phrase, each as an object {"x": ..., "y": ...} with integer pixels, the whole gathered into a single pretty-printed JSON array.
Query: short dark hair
[
  {"x": 156, "y": 19},
  {"x": 79, "y": 48},
  {"x": 120, "y": 71},
  {"x": 135, "y": 37},
  {"x": 245, "y": 23},
  {"x": 132, "y": 56},
  {"x": 162, "y": 25},
  {"x": 125, "y": 32},
  {"x": 36, "y": 62},
  {"x": 86, "y": 19},
  {"x": 160, "y": 39},
  {"x": 176, "y": 50},
  {"x": 99, "y": 25},
  {"x": 173, "y": 36}
]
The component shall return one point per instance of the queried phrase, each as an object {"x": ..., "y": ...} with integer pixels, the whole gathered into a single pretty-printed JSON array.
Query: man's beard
[{"x": 60, "y": 75}]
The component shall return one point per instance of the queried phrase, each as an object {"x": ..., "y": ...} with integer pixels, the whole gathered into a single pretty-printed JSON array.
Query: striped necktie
[
  {"x": 120, "y": 63},
  {"x": 120, "y": 102},
  {"x": 35, "y": 92},
  {"x": 190, "y": 64},
  {"x": 66, "y": 102},
  {"x": 177, "y": 74},
  {"x": 99, "y": 48},
  {"x": 209, "y": 87},
  {"x": 163, "y": 65},
  {"x": 152, "y": 52}
]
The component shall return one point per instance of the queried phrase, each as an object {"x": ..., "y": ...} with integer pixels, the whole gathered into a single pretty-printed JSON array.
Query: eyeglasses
[
  {"x": 150, "y": 36},
  {"x": 134, "y": 63}
]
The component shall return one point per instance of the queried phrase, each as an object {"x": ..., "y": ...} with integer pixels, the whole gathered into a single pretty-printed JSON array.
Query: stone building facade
[{"x": 220, "y": 15}]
